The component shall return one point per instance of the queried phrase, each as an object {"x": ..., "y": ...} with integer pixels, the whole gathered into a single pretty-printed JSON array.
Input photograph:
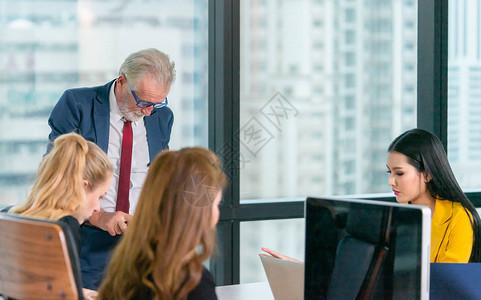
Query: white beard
[{"x": 132, "y": 116}]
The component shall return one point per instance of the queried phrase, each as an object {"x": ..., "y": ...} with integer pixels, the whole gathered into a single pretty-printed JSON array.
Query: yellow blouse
[{"x": 451, "y": 233}]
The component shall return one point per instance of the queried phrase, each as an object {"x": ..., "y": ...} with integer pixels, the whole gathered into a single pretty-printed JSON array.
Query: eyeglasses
[{"x": 145, "y": 104}]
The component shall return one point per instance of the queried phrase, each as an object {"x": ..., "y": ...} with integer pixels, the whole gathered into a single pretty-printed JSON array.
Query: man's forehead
[{"x": 148, "y": 82}]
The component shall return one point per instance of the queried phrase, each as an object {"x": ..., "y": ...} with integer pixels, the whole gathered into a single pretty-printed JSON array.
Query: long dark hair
[{"x": 426, "y": 153}]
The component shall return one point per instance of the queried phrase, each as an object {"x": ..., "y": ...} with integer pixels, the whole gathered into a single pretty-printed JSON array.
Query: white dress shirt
[{"x": 140, "y": 157}]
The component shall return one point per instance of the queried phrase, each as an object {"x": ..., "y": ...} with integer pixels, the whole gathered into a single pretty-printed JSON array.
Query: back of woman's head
[
  {"x": 180, "y": 187},
  {"x": 172, "y": 231},
  {"x": 426, "y": 153},
  {"x": 59, "y": 189}
]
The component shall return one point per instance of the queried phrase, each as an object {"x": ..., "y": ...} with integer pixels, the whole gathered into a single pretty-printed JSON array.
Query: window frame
[{"x": 224, "y": 117}]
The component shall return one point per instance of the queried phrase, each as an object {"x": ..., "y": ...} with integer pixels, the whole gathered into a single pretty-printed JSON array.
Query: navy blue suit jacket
[{"x": 86, "y": 111}]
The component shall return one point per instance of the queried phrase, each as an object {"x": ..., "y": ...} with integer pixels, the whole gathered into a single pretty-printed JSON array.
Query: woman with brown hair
[{"x": 172, "y": 232}]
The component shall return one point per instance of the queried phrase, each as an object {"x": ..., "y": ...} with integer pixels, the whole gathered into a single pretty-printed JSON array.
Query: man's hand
[
  {"x": 114, "y": 223},
  {"x": 89, "y": 294}
]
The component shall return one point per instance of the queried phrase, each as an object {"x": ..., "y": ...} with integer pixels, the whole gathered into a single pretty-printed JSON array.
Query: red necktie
[{"x": 125, "y": 166}]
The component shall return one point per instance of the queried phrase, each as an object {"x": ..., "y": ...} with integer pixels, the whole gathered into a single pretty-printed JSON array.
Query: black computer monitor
[{"x": 366, "y": 249}]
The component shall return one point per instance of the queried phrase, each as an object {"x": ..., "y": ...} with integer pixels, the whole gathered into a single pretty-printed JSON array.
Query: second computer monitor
[{"x": 366, "y": 249}]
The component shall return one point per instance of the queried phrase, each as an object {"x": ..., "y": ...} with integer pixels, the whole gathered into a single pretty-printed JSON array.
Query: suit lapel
[
  {"x": 153, "y": 132},
  {"x": 101, "y": 116}
]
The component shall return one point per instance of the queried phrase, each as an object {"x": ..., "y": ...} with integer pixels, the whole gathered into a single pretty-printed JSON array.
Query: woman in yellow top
[{"x": 420, "y": 174}]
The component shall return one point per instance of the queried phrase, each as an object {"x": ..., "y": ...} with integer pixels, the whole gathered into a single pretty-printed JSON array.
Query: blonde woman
[
  {"x": 70, "y": 182},
  {"x": 172, "y": 231}
]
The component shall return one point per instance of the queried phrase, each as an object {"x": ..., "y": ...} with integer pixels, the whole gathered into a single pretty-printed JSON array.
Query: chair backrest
[
  {"x": 362, "y": 258},
  {"x": 38, "y": 259}
]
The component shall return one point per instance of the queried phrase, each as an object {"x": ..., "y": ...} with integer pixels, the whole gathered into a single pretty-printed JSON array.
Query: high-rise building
[
  {"x": 51, "y": 46},
  {"x": 464, "y": 91},
  {"x": 349, "y": 69},
  {"x": 375, "y": 88},
  {"x": 285, "y": 60}
]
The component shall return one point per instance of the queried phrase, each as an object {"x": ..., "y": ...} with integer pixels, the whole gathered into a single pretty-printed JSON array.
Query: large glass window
[
  {"x": 464, "y": 91},
  {"x": 258, "y": 234},
  {"x": 49, "y": 46},
  {"x": 324, "y": 88}
]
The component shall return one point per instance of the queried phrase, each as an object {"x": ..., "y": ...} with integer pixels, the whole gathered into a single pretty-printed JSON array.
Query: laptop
[
  {"x": 366, "y": 249},
  {"x": 286, "y": 278}
]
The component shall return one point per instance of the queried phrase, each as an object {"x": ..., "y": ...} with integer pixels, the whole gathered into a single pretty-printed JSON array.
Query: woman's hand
[{"x": 278, "y": 255}]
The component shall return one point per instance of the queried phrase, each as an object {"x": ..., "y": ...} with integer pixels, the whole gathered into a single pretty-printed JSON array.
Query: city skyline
[{"x": 45, "y": 52}]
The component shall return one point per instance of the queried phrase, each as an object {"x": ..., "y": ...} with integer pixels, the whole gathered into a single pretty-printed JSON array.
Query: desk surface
[{"x": 246, "y": 291}]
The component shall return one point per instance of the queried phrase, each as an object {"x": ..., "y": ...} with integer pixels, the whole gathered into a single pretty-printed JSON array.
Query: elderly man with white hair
[{"x": 129, "y": 119}]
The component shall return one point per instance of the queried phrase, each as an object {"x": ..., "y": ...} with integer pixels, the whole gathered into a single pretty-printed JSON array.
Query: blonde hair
[
  {"x": 160, "y": 251},
  {"x": 59, "y": 188}
]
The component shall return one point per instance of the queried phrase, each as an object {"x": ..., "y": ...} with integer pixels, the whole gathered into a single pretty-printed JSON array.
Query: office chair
[
  {"x": 363, "y": 262},
  {"x": 38, "y": 259}
]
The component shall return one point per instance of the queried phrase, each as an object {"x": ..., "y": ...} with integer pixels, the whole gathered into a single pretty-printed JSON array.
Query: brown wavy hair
[
  {"x": 171, "y": 232},
  {"x": 59, "y": 188}
]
